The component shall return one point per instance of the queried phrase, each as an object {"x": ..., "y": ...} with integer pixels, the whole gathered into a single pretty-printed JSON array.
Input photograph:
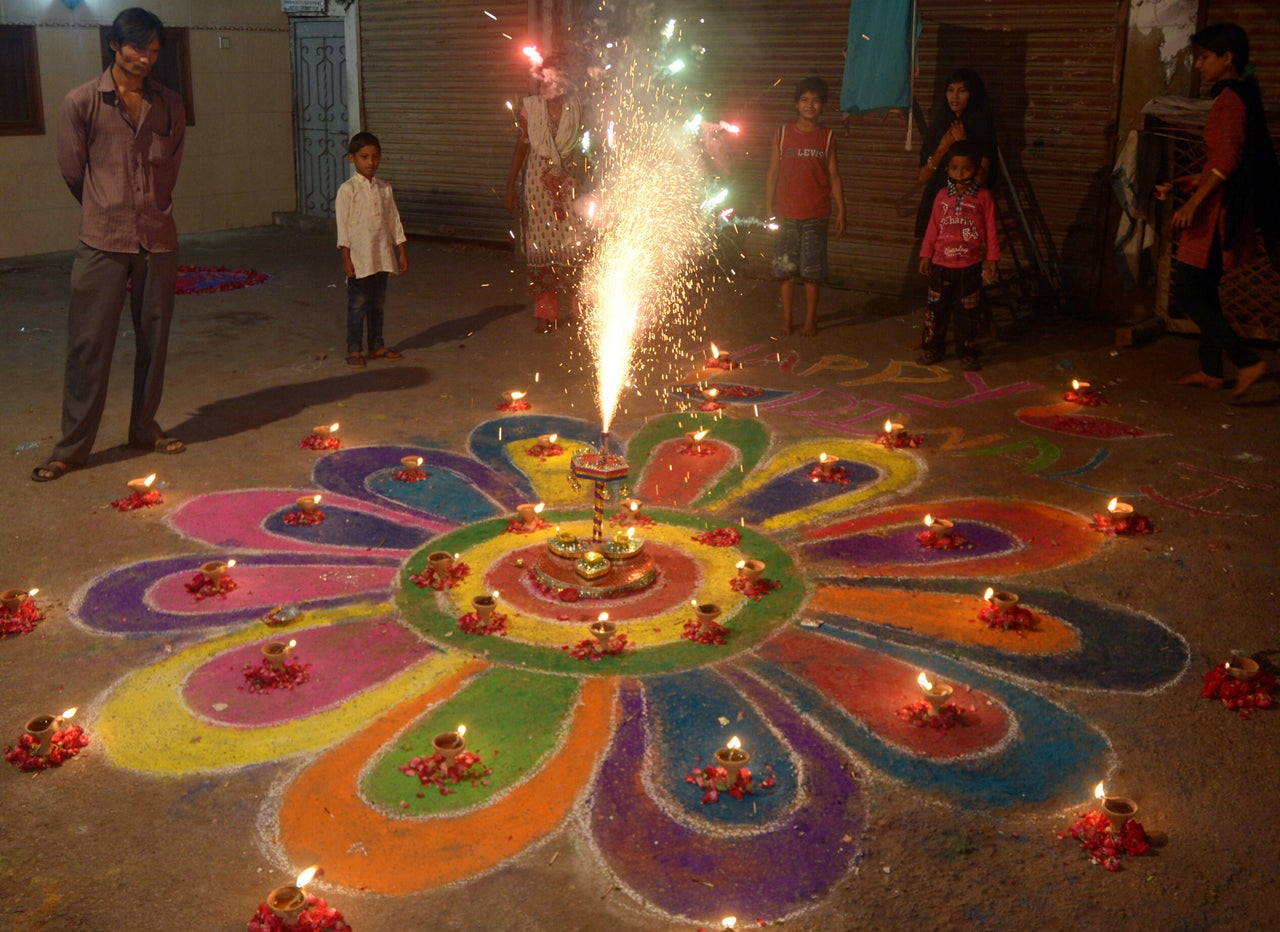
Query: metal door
[{"x": 320, "y": 112}]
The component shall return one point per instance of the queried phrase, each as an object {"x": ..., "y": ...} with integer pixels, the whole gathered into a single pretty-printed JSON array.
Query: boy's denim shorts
[{"x": 800, "y": 250}]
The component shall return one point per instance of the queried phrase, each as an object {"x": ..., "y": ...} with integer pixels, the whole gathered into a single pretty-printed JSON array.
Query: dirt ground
[{"x": 98, "y": 848}]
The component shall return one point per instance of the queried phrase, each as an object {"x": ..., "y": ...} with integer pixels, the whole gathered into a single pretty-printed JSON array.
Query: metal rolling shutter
[{"x": 435, "y": 78}]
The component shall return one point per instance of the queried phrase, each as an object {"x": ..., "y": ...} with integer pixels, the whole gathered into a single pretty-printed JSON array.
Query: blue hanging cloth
[{"x": 880, "y": 56}]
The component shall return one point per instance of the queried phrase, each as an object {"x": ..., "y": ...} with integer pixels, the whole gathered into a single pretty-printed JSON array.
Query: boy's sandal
[
  {"x": 54, "y": 469},
  {"x": 170, "y": 445},
  {"x": 383, "y": 353},
  {"x": 355, "y": 359}
]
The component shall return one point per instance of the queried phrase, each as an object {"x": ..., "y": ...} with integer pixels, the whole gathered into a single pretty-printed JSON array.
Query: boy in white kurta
[{"x": 372, "y": 242}]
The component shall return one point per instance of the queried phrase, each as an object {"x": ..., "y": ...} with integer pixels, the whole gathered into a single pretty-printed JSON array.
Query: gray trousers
[{"x": 99, "y": 284}]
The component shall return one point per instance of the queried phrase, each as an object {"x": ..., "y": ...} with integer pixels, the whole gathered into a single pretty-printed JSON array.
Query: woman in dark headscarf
[
  {"x": 963, "y": 112},
  {"x": 1237, "y": 190}
]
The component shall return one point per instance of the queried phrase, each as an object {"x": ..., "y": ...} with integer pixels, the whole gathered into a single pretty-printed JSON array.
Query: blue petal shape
[
  {"x": 793, "y": 490},
  {"x": 489, "y": 440},
  {"x": 442, "y": 493},
  {"x": 686, "y": 709},
  {"x": 1054, "y": 754},
  {"x": 344, "y": 527},
  {"x": 347, "y": 472},
  {"x": 1119, "y": 648},
  {"x": 116, "y": 602}
]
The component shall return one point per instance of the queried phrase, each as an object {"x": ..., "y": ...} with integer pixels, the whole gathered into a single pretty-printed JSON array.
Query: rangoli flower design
[{"x": 810, "y": 677}]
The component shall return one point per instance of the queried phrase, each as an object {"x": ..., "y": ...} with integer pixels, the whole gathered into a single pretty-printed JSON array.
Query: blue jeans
[
  {"x": 800, "y": 250},
  {"x": 365, "y": 300}
]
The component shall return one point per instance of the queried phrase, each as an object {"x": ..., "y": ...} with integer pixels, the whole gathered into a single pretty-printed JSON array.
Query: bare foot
[
  {"x": 1247, "y": 376},
  {"x": 1199, "y": 380},
  {"x": 809, "y": 332}
]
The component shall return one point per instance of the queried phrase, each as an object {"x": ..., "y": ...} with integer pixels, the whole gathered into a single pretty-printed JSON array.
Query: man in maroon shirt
[{"x": 119, "y": 148}]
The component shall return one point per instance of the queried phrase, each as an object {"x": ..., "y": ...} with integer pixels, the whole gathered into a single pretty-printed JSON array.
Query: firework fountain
[{"x": 651, "y": 235}]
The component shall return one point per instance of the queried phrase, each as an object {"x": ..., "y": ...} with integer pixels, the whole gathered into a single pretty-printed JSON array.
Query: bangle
[{"x": 929, "y": 162}]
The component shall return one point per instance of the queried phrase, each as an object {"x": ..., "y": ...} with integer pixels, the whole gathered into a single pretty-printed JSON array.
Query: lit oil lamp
[
  {"x": 630, "y": 509},
  {"x": 1003, "y": 601},
  {"x": 936, "y": 694},
  {"x": 141, "y": 486},
  {"x": 14, "y": 598},
  {"x": 940, "y": 526},
  {"x": 276, "y": 653},
  {"x": 450, "y": 743},
  {"x": 729, "y": 922},
  {"x": 1241, "y": 668},
  {"x": 529, "y": 512},
  {"x": 1117, "y": 809},
  {"x": 695, "y": 438},
  {"x": 1119, "y": 509},
  {"x": 485, "y": 604},
  {"x": 706, "y": 613},
  {"x": 42, "y": 728},
  {"x": 308, "y": 504},
  {"x": 1077, "y": 385},
  {"x": 511, "y": 397},
  {"x": 547, "y": 440},
  {"x": 827, "y": 464},
  {"x": 603, "y": 630},
  {"x": 289, "y": 901},
  {"x": 891, "y": 428},
  {"x": 750, "y": 570},
  {"x": 566, "y": 537},
  {"x": 216, "y": 569},
  {"x": 733, "y": 758},
  {"x": 325, "y": 430},
  {"x": 411, "y": 462}
]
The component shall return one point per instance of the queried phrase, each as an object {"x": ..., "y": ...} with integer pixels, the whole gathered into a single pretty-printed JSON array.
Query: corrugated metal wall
[
  {"x": 435, "y": 76},
  {"x": 1261, "y": 19}
]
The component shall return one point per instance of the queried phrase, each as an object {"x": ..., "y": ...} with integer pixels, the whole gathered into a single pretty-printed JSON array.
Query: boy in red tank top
[{"x": 802, "y": 183}]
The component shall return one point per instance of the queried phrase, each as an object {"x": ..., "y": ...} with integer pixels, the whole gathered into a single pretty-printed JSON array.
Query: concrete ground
[{"x": 95, "y": 847}]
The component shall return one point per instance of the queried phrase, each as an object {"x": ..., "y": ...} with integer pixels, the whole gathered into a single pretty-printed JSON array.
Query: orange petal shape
[{"x": 402, "y": 856}]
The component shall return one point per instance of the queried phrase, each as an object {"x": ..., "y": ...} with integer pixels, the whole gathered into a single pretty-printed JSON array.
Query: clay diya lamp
[
  {"x": 1117, "y": 809},
  {"x": 484, "y": 605},
  {"x": 289, "y": 901},
  {"x": 547, "y": 440},
  {"x": 733, "y": 758},
  {"x": 630, "y": 509},
  {"x": 1119, "y": 509},
  {"x": 827, "y": 464},
  {"x": 935, "y": 694},
  {"x": 892, "y": 429},
  {"x": 750, "y": 570},
  {"x": 1241, "y": 668},
  {"x": 603, "y": 630},
  {"x": 13, "y": 599},
  {"x": 512, "y": 397},
  {"x": 411, "y": 462},
  {"x": 940, "y": 527},
  {"x": 695, "y": 438},
  {"x": 449, "y": 744},
  {"x": 439, "y": 561},
  {"x": 42, "y": 728},
  {"x": 529, "y": 512},
  {"x": 706, "y": 613},
  {"x": 141, "y": 486},
  {"x": 215, "y": 569},
  {"x": 325, "y": 430},
  {"x": 276, "y": 653},
  {"x": 308, "y": 504},
  {"x": 1004, "y": 602}
]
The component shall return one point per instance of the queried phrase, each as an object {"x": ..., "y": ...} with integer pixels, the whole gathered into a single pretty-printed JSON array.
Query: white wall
[{"x": 238, "y": 167}]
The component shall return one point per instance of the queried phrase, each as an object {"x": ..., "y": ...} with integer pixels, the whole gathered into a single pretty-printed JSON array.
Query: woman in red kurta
[{"x": 1218, "y": 220}]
